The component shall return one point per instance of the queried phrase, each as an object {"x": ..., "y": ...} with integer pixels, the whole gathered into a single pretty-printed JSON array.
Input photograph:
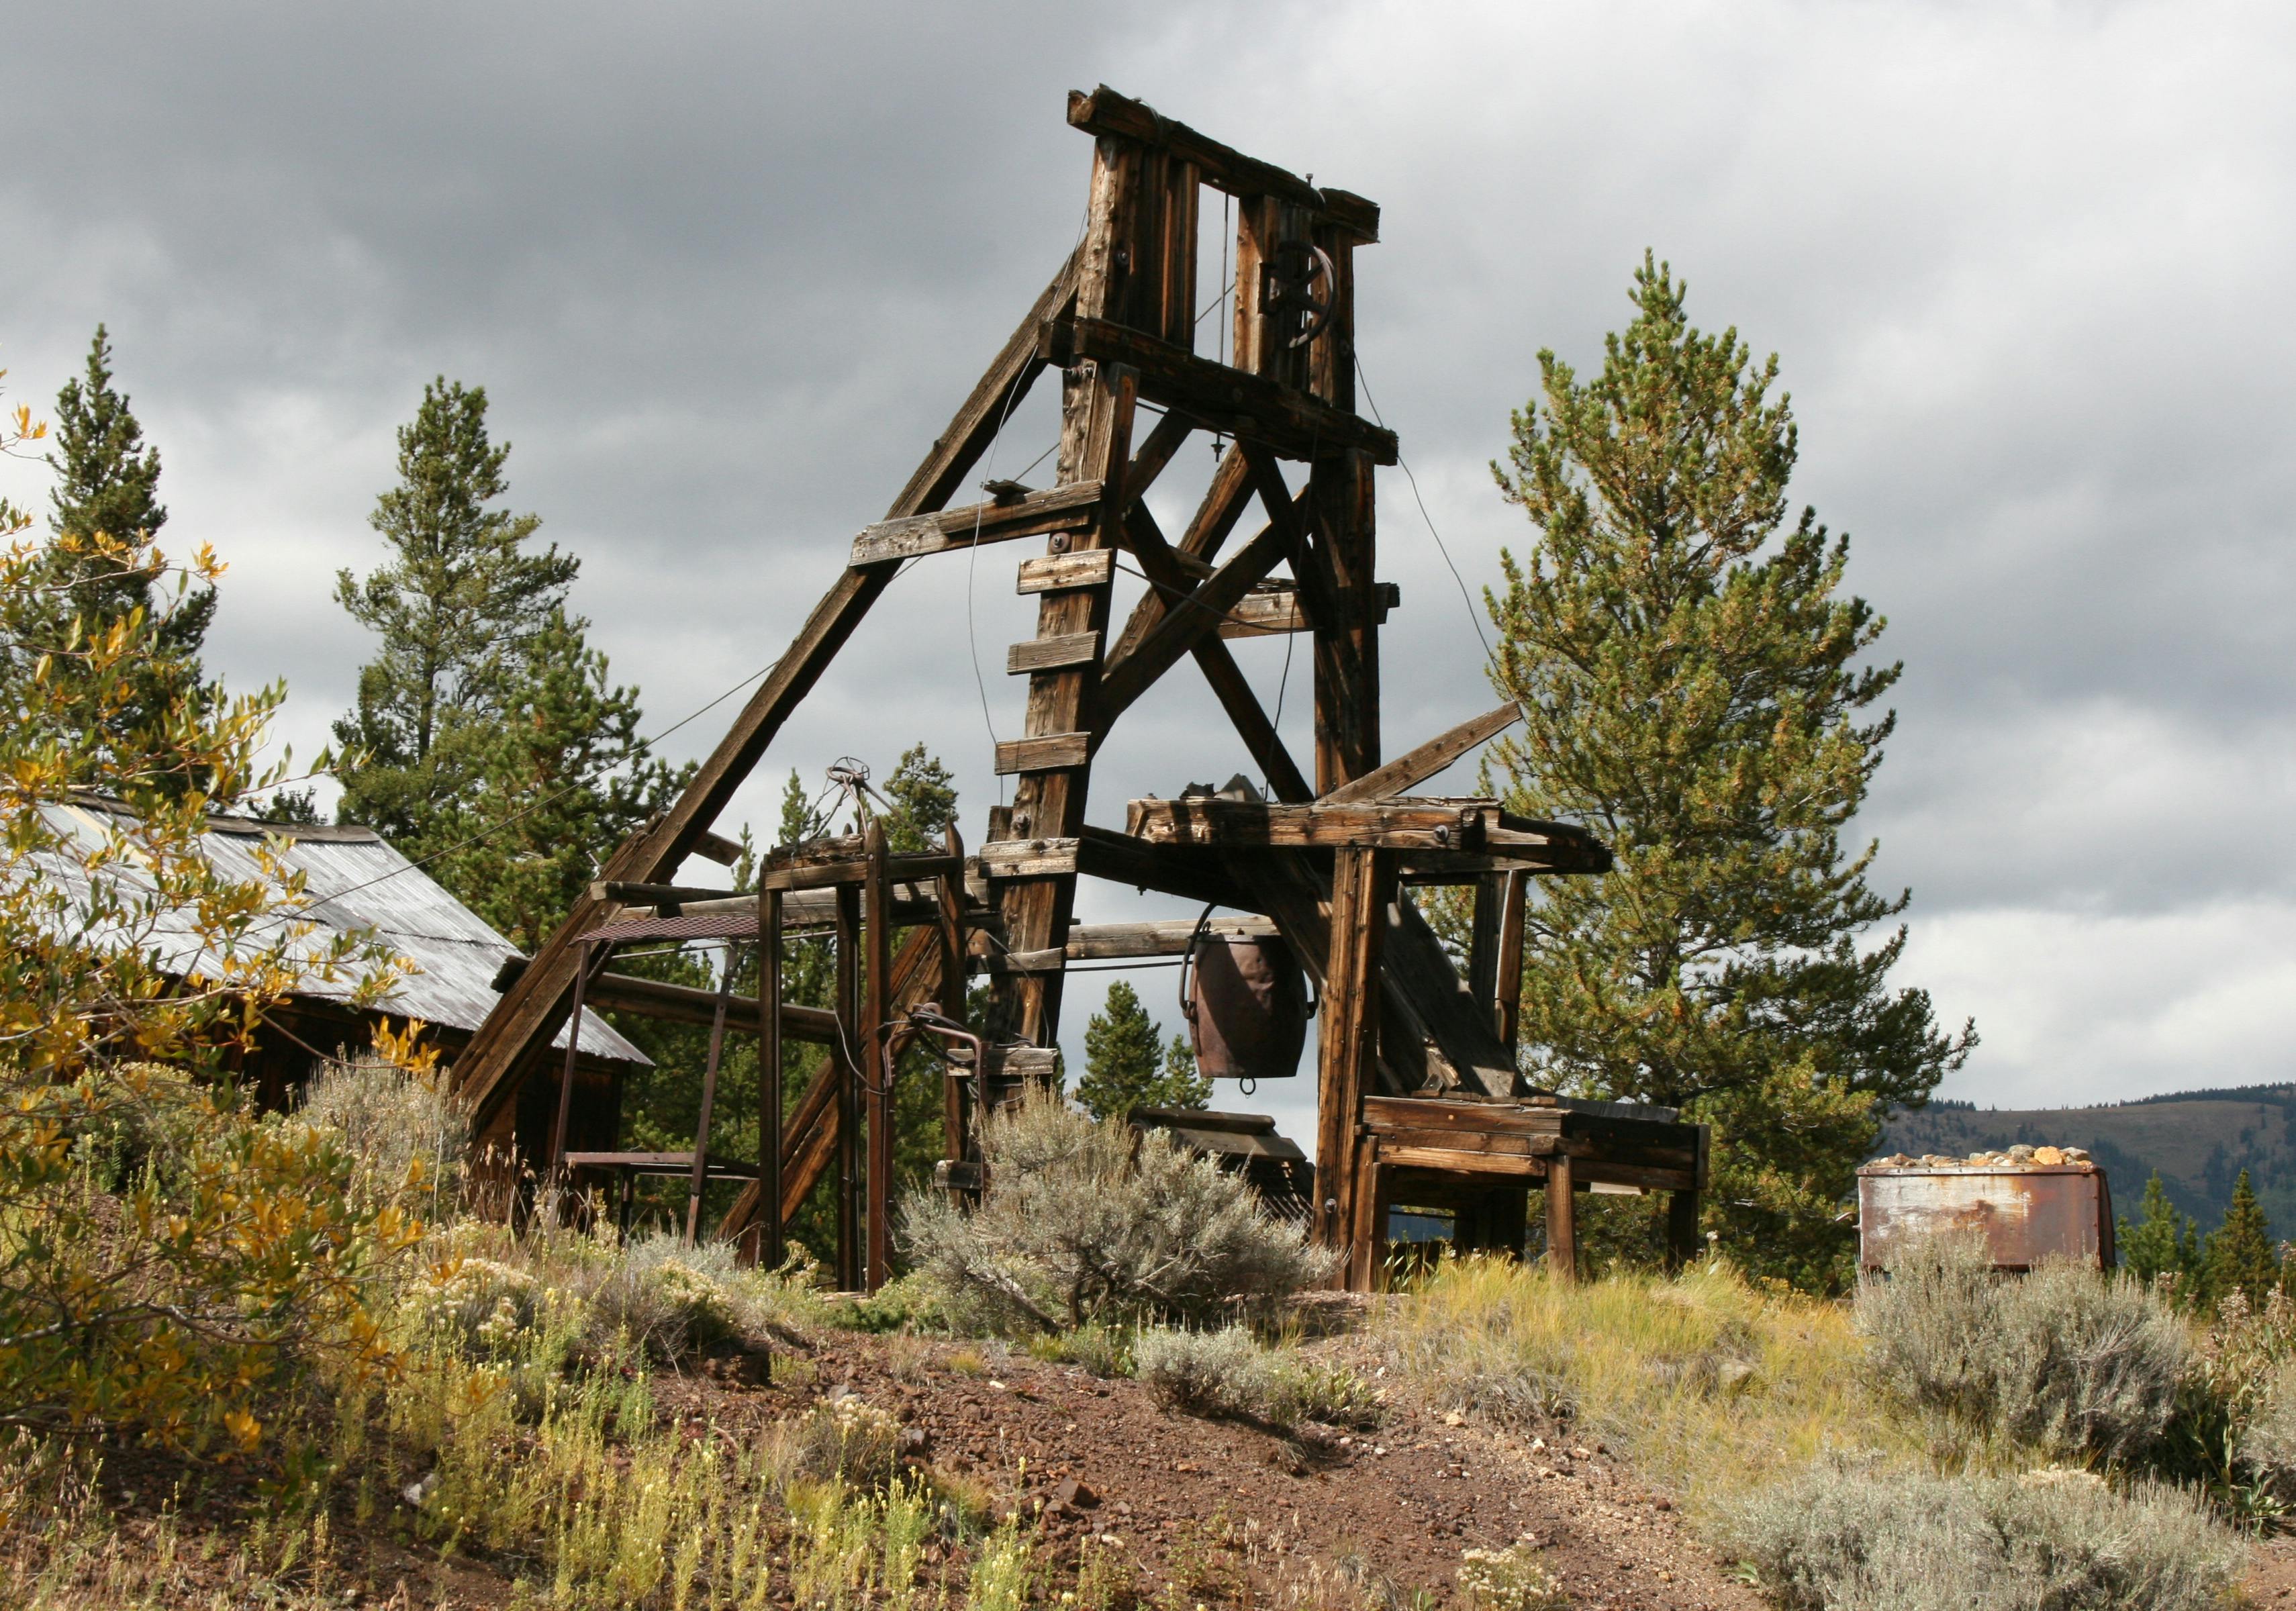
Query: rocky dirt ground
[{"x": 1213, "y": 1513}]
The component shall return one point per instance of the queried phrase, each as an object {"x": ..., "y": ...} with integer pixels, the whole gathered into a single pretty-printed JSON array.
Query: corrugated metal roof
[{"x": 355, "y": 882}]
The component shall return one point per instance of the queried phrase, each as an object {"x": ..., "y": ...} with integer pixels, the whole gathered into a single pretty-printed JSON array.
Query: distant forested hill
[{"x": 2200, "y": 1140}]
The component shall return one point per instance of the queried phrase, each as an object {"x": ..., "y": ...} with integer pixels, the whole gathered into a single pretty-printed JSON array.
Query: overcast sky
[{"x": 724, "y": 270}]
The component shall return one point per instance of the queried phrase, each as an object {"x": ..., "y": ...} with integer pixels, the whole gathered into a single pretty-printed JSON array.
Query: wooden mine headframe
[{"x": 1417, "y": 1083}]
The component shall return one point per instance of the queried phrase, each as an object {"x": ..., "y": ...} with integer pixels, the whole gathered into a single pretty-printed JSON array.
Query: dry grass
[{"x": 1714, "y": 1387}]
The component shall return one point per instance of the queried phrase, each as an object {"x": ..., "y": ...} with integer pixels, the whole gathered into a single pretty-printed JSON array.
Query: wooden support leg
[
  {"x": 1681, "y": 1228},
  {"x": 877, "y": 1062},
  {"x": 1483, "y": 939},
  {"x": 765, "y": 1241},
  {"x": 848, "y": 1088},
  {"x": 949, "y": 995},
  {"x": 1367, "y": 1266},
  {"x": 1363, "y": 883},
  {"x": 1506, "y": 986},
  {"x": 1562, "y": 1220},
  {"x": 700, "y": 1176}
]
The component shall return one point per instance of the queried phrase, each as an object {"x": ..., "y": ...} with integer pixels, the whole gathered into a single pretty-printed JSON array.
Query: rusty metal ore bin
[{"x": 2028, "y": 1213}]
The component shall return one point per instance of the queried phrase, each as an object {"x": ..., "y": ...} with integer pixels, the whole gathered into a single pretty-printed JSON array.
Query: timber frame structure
[{"x": 1419, "y": 1097}]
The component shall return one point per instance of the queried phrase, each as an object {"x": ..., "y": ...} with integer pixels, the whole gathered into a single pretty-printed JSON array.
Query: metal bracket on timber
[{"x": 1325, "y": 866}]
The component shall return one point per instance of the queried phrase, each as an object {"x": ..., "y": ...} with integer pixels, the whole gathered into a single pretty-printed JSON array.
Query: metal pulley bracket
[{"x": 1288, "y": 284}]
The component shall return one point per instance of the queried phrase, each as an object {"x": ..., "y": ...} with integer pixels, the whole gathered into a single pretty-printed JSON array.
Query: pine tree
[
  {"x": 548, "y": 790},
  {"x": 1127, "y": 1063},
  {"x": 1689, "y": 673},
  {"x": 2162, "y": 1241},
  {"x": 102, "y": 566},
  {"x": 924, "y": 796},
  {"x": 461, "y": 608},
  {"x": 2241, "y": 1256}
]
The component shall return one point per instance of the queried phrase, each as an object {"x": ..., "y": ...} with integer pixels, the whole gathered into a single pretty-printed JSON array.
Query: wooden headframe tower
[{"x": 1417, "y": 1083}]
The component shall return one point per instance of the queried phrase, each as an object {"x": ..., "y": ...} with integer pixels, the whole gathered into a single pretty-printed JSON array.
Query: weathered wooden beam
[
  {"x": 1561, "y": 1222},
  {"x": 1050, "y": 654},
  {"x": 1181, "y": 871},
  {"x": 1223, "y": 505},
  {"x": 1276, "y": 607},
  {"x": 1058, "y": 573},
  {"x": 1347, "y": 1036},
  {"x": 1187, "y": 622},
  {"x": 1281, "y": 418},
  {"x": 1101, "y": 942},
  {"x": 1415, "y": 766},
  {"x": 716, "y": 847},
  {"x": 1059, "y": 508},
  {"x": 827, "y": 875},
  {"x": 1046, "y": 752},
  {"x": 1162, "y": 565},
  {"x": 625, "y": 893},
  {"x": 1230, "y": 824},
  {"x": 1103, "y": 111}
]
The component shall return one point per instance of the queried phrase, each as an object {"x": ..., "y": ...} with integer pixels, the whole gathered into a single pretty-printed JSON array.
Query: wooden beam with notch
[
  {"x": 1103, "y": 111},
  {"x": 1069, "y": 508},
  {"x": 1414, "y": 767},
  {"x": 1250, "y": 407}
]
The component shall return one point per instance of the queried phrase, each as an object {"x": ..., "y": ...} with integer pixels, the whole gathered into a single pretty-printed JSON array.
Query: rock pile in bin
[{"x": 2014, "y": 1157}]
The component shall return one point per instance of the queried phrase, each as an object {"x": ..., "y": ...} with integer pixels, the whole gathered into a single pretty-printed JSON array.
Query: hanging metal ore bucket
[{"x": 1246, "y": 1005}]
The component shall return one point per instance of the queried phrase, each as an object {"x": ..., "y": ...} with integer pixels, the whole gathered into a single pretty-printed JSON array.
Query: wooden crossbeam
[
  {"x": 823, "y": 875},
  {"x": 1045, "y": 752},
  {"x": 1060, "y": 509},
  {"x": 1103, "y": 111},
  {"x": 1050, "y": 654},
  {"x": 1274, "y": 608},
  {"x": 520, "y": 1028},
  {"x": 1059, "y": 573},
  {"x": 1099, "y": 942},
  {"x": 1187, "y": 622},
  {"x": 1407, "y": 771},
  {"x": 1223, "y": 503},
  {"x": 1280, "y": 418},
  {"x": 1162, "y": 565},
  {"x": 1230, "y": 824}
]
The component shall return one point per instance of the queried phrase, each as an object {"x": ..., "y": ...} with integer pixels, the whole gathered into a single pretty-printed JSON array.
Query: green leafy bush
[
  {"x": 1841, "y": 1539},
  {"x": 1084, "y": 1223}
]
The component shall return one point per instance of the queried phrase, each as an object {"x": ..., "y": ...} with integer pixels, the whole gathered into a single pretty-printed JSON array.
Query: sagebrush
[
  {"x": 1084, "y": 1222},
  {"x": 1842, "y": 1539},
  {"x": 2062, "y": 1360}
]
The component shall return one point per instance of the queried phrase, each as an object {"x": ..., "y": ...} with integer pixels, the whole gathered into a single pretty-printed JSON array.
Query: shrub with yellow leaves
[{"x": 169, "y": 1262}]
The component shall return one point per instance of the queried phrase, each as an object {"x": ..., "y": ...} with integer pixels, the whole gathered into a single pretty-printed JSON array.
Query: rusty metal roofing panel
[{"x": 355, "y": 881}]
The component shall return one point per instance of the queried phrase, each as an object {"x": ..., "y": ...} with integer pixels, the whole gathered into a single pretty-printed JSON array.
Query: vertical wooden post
[
  {"x": 1505, "y": 1219},
  {"x": 1120, "y": 278},
  {"x": 1483, "y": 939},
  {"x": 848, "y": 1088},
  {"x": 877, "y": 1064},
  {"x": 584, "y": 956},
  {"x": 1561, "y": 1219},
  {"x": 701, "y": 1174},
  {"x": 1366, "y": 1255},
  {"x": 949, "y": 995},
  {"x": 1363, "y": 883},
  {"x": 765, "y": 1239},
  {"x": 1506, "y": 984},
  {"x": 1681, "y": 1228}
]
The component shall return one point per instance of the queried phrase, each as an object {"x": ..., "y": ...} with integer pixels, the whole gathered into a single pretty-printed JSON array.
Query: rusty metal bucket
[{"x": 1247, "y": 1008}]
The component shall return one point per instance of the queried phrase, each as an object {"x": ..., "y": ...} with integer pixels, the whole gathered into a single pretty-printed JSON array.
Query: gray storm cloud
[{"x": 726, "y": 269}]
